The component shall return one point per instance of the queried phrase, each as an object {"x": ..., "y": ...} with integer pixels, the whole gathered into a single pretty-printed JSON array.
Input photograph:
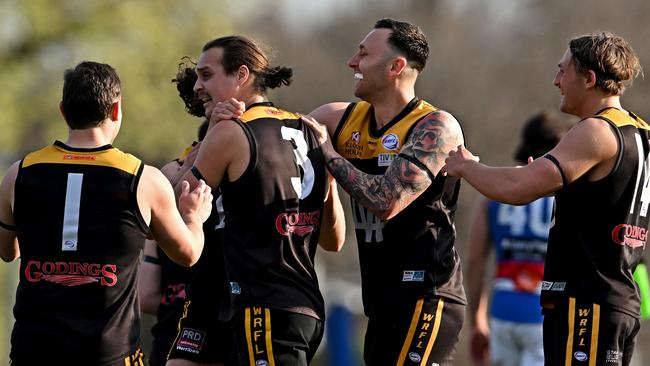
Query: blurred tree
[{"x": 143, "y": 40}]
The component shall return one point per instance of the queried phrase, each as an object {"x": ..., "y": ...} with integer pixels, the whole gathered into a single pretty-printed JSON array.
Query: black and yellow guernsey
[
  {"x": 600, "y": 227},
  {"x": 81, "y": 238},
  {"x": 411, "y": 255},
  {"x": 273, "y": 214}
]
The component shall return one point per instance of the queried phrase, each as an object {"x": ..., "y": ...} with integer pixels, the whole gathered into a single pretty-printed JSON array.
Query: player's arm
[
  {"x": 479, "y": 250},
  {"x": 409, "y": 174},
  {"x": 330, "y": 115},
  {"x": 224, "y": 152},
  {"x": 179, "y": 232},
  {"x": 589, "y": 148},
  {"x": 149, "y": 279},
  {"x": 332, "y": 234},
  {"x": 9, "y": 250}
]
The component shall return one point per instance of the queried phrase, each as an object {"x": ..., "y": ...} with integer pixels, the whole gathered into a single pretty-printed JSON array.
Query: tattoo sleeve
[{"x": 403, "y": 181}]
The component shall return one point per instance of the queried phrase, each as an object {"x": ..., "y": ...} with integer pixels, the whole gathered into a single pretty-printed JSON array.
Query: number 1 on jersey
[{"x": 71, "y": 212}]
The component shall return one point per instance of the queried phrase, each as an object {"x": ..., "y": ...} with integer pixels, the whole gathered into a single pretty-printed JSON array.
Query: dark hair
[
  {"x": 541, "y": 133},
  {"x": 89, "y": 91},
  {"x": 610, "y": 57},
  {"x": 408, "y": 40},
  {"x": 239, "y": 50},
  {"x": 185, "y": 80}
]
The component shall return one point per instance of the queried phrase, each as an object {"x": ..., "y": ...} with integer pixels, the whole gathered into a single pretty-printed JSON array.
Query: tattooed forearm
[{"x": 382, "y": 194}]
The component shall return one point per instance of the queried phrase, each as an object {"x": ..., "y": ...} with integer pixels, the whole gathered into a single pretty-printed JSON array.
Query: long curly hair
[{"x": 185, "y": 80}]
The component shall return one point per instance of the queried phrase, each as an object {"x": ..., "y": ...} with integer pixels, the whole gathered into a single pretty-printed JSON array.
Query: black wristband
[
  {"x": 7, "y": 226},
  {"x": 150, "y": 259},
  {"x": 197, "y": 173}
]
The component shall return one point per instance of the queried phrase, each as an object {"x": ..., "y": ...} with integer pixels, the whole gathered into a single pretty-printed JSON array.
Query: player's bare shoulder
[{"x": 330, "y": 114}]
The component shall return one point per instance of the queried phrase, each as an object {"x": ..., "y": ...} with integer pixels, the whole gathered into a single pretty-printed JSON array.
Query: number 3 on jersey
[{"x": 304, "y": 185}]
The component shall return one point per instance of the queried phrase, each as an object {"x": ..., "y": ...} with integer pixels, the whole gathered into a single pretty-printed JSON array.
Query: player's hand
[
  {"x": 227, "y": 110},
  {"x": 319, "y": 129},
  {"x": 456, "y": 160},
  {"x": 479, "y": 346},
  {"x": 196, "y": 204}
]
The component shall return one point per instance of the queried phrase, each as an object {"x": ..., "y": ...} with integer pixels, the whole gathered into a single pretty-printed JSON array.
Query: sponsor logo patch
[
  {"x": 553, "y": 286},
  {"x": 580, "y": 356},
  {"x": 79, "y": 157},
  {"x": 190, "y": 340},
  {"x": 415, "y": 357},
  {"x": 234, "y": 288},
  {"x": 390, "y": 141},
  {"x": 413, "y": 276},
  {"x": 298, "y": 223},
  {"x": 71, "y": 273},
  {"x": 356, "y": 136},
  {"x": 261, "y": 363},
  {"x": 385, "y": 159},
  {"x": 613, "y": 356},
  {"x": 630, "y": 235}
]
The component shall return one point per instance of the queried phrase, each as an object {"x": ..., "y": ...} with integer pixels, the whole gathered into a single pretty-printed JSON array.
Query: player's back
[
  {"x": 273, "y": 215},
  {"x": 81, "y": 236}
]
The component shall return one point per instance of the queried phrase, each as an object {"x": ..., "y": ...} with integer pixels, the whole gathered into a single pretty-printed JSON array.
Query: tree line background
[{"x": 491, "y": 64}]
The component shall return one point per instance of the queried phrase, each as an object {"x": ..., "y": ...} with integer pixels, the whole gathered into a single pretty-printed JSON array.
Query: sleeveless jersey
[
  {"x": 81, "y": 238},
  {"x": 412, "y": 254},
  {"x": 520, "y": 236},
  {"x": 600, "y": 228},
  {"x": 273, "y": 215}
]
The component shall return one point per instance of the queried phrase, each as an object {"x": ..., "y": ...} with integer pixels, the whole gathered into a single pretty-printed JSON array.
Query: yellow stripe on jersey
[
  {"x": 595, "y": 323},
  {"x": 186, "y": 306},
  {"x": 620, "y": 118},
  {"x": 186, "y": 151},
  {"x": 110, "y": 158},
  {"x": 354, "y": 140},
  {"x": 266, "y": 111},
  {"x": 436, "y": 328},
  {"x": 411, "y": 332},
  {"x": 269, "y": 345},
  {"x": 249, "y": 338},
  {"x": 569, "y": 342}
]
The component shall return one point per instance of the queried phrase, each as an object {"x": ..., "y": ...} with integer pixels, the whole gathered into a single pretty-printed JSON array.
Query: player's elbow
[
  {"x": 8, "y": 257},
  {"x": 388, "y": 212},
  {"x": 333, "y": 244},
  {"x": 190, "y": 259}
]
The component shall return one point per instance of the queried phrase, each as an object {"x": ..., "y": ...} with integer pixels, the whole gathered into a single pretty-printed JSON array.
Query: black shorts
[
  {"x": 266, "y": 336},
  {"x": 201, "y": 337},
  {"x": 584, "y": 333},
  {"x": 423, "y": 335}
]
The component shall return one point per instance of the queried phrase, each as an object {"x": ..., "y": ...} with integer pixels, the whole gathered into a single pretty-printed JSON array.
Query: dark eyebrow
[{"x": 200, "y": 69}]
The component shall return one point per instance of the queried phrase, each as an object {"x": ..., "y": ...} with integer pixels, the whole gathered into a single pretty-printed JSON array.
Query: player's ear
[
  {"x": 61, "y": 109},
  {"x": 242, "y": 75},
  {"x": 398, "y": 65},
  {"x": 115, "y": 110}
]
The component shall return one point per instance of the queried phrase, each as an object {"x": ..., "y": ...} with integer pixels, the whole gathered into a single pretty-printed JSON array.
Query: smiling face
[
  {"x": 572, "y": 85},
  {"x": 213, "y": 84},
  {"x": 371, "y": 63}
]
